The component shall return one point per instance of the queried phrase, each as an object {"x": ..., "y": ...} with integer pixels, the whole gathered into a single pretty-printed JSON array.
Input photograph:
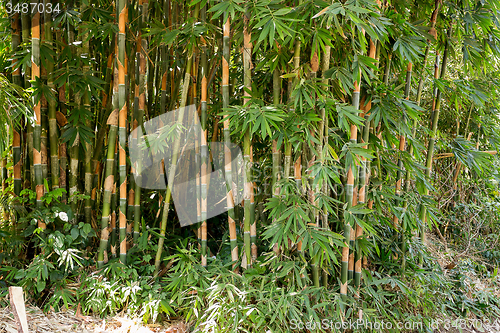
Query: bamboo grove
[{"x": 340, "y": 108}]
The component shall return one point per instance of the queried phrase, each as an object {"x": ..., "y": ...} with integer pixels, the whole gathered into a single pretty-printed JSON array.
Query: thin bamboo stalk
[
  {"x": 74, "y": 150},
  {"x": 35, "y": 73},
  {"x": 63, "y": 158},
  {"x": 143, "y": 42},
  {"x": 436, "y": 105},
  {"x": 247, "y": 140},
  {"x": 17, "y": 80},
  {"x": 122, "y": 11},
  {"x": 88, "y": 145},
  {"x": 109, "y": 176},
  {"x": 204, "y": 147},
  {"x": 323, "y": 141},
  {"x": 276, "y": 176},
  {"x": 53, "y": 129},
  {"x": 349, "y": 189},
  {"x": 364, "y": 175},
  {"x": 227, "y": 140},
  {"x": 399, "y": 179},
  {"x": 171, "y": 175}
]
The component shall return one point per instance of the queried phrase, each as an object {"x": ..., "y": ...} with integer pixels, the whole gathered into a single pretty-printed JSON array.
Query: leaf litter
[{"x": 70, "y": 321}]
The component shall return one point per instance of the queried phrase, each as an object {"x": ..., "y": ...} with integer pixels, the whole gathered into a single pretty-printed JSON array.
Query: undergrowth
[
  {"x": 57, "y": 270},
  {"x": 269, "y": 297}
]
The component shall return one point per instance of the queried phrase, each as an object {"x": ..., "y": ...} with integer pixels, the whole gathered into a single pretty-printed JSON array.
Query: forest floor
[{"x": 69, "y": 320}]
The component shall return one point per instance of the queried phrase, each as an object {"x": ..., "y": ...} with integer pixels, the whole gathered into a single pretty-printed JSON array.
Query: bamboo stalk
[
  {"x": 364, "y": 176},
  {"x": 349, "y": 189},
  {"x": 140, "y": 115},
  {"x": 35, "y": 74},
  {"x": 323, "y": 141},
  {"x": 88, "y": 145},
  {"x": 315, "y": 262},
  {"x": 63, "y": 158},
  {"x": 399, "y": 176},
  {"x": 247, "y": 140},
  {"x": 436, "y": 105},
  {"x": 227, "y": 140},
  {"x": 204, "y": 147},
  {"x": 109, "y": 176},
  {"x": 16, "y": 130},
  {"x": 253, "y": 224},
  {"x": 171, "y": 175},
  {"x": 276, "y": 176},
  {"x": 44, "y": 106},
  {"x": 28, "y": 169},
  {"x": 74, "y": 149},
  {"x": 122, "y": 11},
  {"x": 53, "y": 129}
]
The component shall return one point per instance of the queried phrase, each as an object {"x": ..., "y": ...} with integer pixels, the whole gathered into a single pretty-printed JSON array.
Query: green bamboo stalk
[
  {"x": 122, "y": 126},
  {"x": 106, "y": 110},
  {"x": 349, "y": 189},
  {"x": 204, "y": 148},
  {"x": 247, "y": 196},
  {"x": 288, "y": 145},
  {"x": 4, "y": 175},
  {"x": 253, "y": 219},
  {"x": 276, "y": 176},
  {"x": 29, "y": 172},
  {"x": 364, "y": 176},
  {"x": 109, "y": 176},
  {"x": 26, "y": 38},
  {"x": 247, "y": 140},
  {"x": 53, "y": 129},
  {"x": 74, "y": 150},
  {"x": 418, "y": 100},
  {"x": 140, "y": 115},
  {"x": 436, "y": 105},
  {"x": 37, "y": 153},
  {"x": 420, "y": 88},
  {"x": 17, "y": 80},
  {"x": 44, "y": 111},
  {"x": 296, "y": 65},
  {"x": 171, "y": 174},
  {"x": 315, "y": 260},
  {"x": 323, "y": 141},
  {"x": 134, "y": 80},
  {"x": 63, "y": 159},
  {"x": 227, "y": 140},
  {"x": 387, "y": 69},
  {"x": 399, "y": 180},
  {"x": 402, "y": 148},
  {"x": 352, "y": 234},
  {"x": 88, "y": 145}
]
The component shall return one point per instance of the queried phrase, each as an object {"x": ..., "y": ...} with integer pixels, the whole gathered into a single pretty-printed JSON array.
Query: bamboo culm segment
[
  {"x": 173, "y": 167},
  {"x": 227, "y": 140},
  {"x": 349, "y": 199},
  {"x": 204, "y": 147},
  {"x": 247, "y": 144}
]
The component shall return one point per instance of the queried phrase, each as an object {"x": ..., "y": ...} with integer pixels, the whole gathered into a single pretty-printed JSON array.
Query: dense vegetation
[{"x": 365, "y": 127}]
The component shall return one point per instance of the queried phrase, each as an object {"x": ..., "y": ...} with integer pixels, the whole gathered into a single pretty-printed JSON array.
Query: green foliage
[{"x": 306, "y": 112}]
